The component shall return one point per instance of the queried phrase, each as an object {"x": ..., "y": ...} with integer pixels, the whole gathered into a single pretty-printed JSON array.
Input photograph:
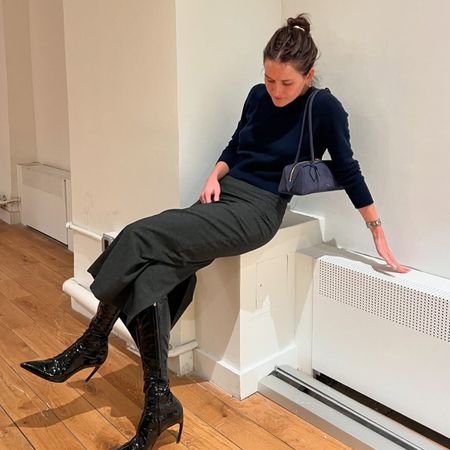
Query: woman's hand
[
  {"x": 211, "y": 190},
  {"x": 369, "y": 214},
  {"x": 384, "y": 251}
]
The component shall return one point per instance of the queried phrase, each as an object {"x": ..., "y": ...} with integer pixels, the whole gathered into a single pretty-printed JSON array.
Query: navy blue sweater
[{"x": 267, "y": 136}]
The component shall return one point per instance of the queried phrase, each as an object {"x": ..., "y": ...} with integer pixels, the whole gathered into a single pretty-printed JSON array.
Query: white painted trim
[
  {"x": 240, "y": 383},
  {"x": 183, "y": 348},
  {"x": 9, "y": 217}
]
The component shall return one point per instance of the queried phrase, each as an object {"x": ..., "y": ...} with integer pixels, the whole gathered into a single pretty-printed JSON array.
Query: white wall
[
  {"x": 49, "y": 82},
  {"x": 219, "y": 47},
  {"x": 33, "y": 98},
  {"x": 20, "y": 86},
  {"x": 5, "y": 151},
  {"x": 388, "y": 64},
  {"x": 219, "y": 58},
  {"x": 121, "y": 81}
]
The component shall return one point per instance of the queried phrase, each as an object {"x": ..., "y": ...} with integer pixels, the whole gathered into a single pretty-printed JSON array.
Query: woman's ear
[{"x": 310, "y": 76}]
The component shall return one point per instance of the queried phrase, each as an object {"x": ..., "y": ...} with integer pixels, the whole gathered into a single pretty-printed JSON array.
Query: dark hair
[{"x": 293, "y": 44}]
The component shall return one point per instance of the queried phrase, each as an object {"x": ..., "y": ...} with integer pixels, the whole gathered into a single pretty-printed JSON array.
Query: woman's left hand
[{"x": 385, "y": 252}]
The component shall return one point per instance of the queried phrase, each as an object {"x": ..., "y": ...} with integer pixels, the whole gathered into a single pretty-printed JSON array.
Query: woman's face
[{"x": 284, "y": 83}]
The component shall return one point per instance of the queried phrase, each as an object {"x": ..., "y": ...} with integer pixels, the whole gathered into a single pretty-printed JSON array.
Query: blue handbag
[{"x": 308, "y": 177}]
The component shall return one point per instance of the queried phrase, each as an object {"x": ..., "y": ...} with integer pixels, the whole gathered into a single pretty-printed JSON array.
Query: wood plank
[
  {"x": 227, "y": 421},
  {"x": 280, "y": 422},
  {"x": 17, "y": 272},
  {"x": 62, "y": 267},
  {"x": 10, "y": 435},
  {"x": 37, "y": 322},
  {"x": 20, "y": 255},
  {"x": 197, "y": 434},
  {"x": 84, "y": 421},
  {"x": 11, "y": 316},
  {"x": 42, "y": 271},
  {"x": 97, "y": 398},
  {"x": 113, "y": 404},
  {"x": 65, "y": 330},
  {"x": 14, "y": 255},
  {"x": 24, "y": 234},
  {"x": 52, "y": 295},
  {"x": 34, "y": 418},
  {"x": 12, "y": 348},
  {"x": 50, "y": 253},
  {"x": 4, "y": 276},
  {"x": 27, "y": 238},
  {"x": 118, "y": 409},
  {"x": 11, "y": 289},
  {"x": 57, "y": 322},
  {"x": 37, "y": 309},
  {"x": 100, "y": 392},
  {"x": 129, "y": 379},
  {"x": 4, "y": 226}
]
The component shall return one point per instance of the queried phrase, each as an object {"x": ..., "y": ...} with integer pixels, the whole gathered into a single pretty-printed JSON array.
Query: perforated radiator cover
[
  {"x": 410, "y": 304},
  {"x": 385, "y": 335}
]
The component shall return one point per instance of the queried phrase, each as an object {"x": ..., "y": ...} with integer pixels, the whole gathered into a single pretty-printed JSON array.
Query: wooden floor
[{"x": 36, "y": 321}]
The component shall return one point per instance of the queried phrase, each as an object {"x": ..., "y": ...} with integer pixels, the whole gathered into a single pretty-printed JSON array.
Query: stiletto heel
[
  {"x": 162, "y": 409},
  {"x": 92, "y": 373},
  {"x": 179, "y": 432}
]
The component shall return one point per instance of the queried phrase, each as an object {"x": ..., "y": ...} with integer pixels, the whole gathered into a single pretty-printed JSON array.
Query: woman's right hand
[{"x": 211, "y": 190}]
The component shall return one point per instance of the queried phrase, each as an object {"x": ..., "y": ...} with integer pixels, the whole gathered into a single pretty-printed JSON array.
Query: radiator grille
[{"x": 407, "y": 304}]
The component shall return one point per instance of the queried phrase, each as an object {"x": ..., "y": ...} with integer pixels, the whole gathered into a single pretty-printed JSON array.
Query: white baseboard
[
  {"x": 9, "y": 217},
  {"x": 240, "y": 384}
]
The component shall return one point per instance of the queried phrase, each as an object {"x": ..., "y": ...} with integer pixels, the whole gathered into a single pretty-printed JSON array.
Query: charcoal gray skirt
[{"x": 156, "y": 258}]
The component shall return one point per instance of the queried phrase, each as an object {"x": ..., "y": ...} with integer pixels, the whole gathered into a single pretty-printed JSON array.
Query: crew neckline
[{"x": 296, "y": 100}]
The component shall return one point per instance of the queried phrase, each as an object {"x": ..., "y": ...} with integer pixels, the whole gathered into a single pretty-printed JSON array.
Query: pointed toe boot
[{"x": 89, "y": 350}]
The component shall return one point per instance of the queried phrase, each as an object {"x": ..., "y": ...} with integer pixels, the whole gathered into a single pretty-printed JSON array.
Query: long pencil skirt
[{"x": 155, "y": 256}]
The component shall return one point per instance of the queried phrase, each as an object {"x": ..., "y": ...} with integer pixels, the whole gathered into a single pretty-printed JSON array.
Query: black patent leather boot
[
  {"x": 161, "y": 408},
  {"x": 89, "y": 350}
]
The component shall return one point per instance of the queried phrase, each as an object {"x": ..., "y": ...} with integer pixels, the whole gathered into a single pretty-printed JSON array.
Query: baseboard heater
[
  {"x": 382, "y": 334},
  {"x": 350, "y": 422}
]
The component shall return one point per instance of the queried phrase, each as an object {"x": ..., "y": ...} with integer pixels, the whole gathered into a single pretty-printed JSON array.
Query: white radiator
[
  {"x": 45, "y": 199},
  {"x": 385, "y": 335}
]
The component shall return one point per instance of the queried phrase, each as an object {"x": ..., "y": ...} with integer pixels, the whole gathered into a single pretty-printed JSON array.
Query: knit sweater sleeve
[
  {"x": 229, "y": 154},
  {"x": 337, "y": 141}
]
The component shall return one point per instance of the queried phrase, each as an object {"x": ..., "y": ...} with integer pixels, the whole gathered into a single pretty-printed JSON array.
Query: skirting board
[
  {"x": 240, "y": 384},
  {"x": 9, "y": 217}
]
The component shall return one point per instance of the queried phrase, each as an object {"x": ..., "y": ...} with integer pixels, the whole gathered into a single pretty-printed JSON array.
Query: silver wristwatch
[{"x": 373, "y": 223}]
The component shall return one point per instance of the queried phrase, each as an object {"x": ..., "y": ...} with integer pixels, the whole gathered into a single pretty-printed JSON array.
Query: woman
[{"x": 147, "y": 275}]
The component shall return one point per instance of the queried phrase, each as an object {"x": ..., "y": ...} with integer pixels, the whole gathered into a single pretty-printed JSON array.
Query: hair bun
[
  {"x": 293, "y": 44},
  {"x": 301, "y": 21}
]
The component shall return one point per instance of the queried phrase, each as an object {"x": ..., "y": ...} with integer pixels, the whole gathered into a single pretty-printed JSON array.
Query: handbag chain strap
[{"x": 307, "y": 112}]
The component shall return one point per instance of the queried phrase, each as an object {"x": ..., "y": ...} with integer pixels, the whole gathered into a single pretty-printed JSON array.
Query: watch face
[{"x": 373, "y": 223}]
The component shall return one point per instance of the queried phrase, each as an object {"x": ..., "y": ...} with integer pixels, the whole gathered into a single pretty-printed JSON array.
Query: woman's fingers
[
  {"x": 385, "y": 252},
  {"x": 217, "y": 194},
  {"x": 391, "y": 261},
  {"x": 209, "y": 195}
]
